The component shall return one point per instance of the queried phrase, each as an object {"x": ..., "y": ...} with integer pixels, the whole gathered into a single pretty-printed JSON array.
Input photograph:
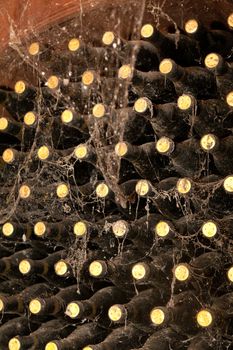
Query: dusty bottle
[
  {"x": 140, "y": 231},
  {"x": 211, "y": 116},
  {"x": 223, "y": 71},
  {"x": 56, "y": 304},
  {"x": 198, "y": 81},
  {"x": 117, "y": 270},
  {"x": 185, "y": 156},
  {"x": 177, "y": 46},
  {"x": 164, "y": 195},
  {"x": 146, "y": 54},
  {"x": 164, "y": 339},
  {"x": 16, "y": 326},
  {"x": 202, "y": 269},
  {"x": 181, "y": 314},
  {"x": 137, "y": 310},
  {"x": 8, "y": 265},
  {"x": 146, "y": 161},
  {"x": 127, "y": 336},
  {"x": 52, "y": 268},
  {"x": 209, "y": 40},
  {"x": 16, "y": 231},
  {"x": 221, "y": 151},
  {"x": 149, "y": 84},
  {"x": 169, "y": 119},
  {"x": 19, "y": 101},
  {"x": 46, "y": 332},
  {"x": 217, "y": 314},
  {"x": 156, "y": 271},
  {"x": 95, "y": 305},
  {"x": 18, "y": 303},
  {"x": 80, "y": 337}
]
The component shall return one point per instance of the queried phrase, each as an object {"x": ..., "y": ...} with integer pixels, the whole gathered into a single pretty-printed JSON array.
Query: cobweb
[{"x": 102, "y": 135}]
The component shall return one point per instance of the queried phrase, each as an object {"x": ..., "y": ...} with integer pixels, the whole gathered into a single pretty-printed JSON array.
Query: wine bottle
[
  {"x": 217, "y": 314},
  {"x": 46, "y": 332},
  {"x": 223, "y": 72},
  {"x": 223, "y": 191},
  {"x": 200, "y": 269},
  {"x": 42, "y": 267},
  {"x": 178, "y": 46},
  {"x": 81, "y": 336},
  {"x": 56, "y": 304},
  {"x": 166, "y": 204},
  {"x": 185, "y": 156},
  {"x": 140, "y": 231},
  {"x": 146, "y": 54},
  {"x": 203, "y": 342},
  {"x": 156, "y": 271},
  {"x": 208, "y": 116},
  {"x": 16, "y": 231},
  {"x": 16, "y": 326},
  {"x": 221, "y": 150},
  {"x": 117, "y": 270},
  {"x": 10, "y": 127},
  {"x": 18, "y": 303},
  {"x": 17, "y": 102},
  {"x": 96, "y": 305},
  {"x": 144, "y": 158},
  {"x": 198, "y": 81},
  {"x": 181, "y": 313},
  {"x": 12, "y": 156},
  {"x": 9, "y": 264},
  {"x": 137, "y": 310},
  {"x": 86, "y": 153},
  {"x": 209, "y": 40},
  {"x": 128, "y": 336},
  {"x": 148, "y": 84},
  {"x": 164, "y": 339},
  {"x": 170, "y": 119}
]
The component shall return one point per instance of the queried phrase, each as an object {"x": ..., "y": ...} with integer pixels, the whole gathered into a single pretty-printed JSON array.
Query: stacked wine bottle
[{"x": 117, "y": 193}]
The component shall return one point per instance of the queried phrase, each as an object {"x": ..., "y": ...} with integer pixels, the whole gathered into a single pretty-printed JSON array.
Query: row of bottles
[{"x": 116, "y": 194}]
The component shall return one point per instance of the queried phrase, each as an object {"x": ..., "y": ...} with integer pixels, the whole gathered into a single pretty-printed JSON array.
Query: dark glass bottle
[
  {"x": 18, "y": 303},
  {"x": 137, "y": 310},
  {"x": 145, "y": 159},
  {"x": 117, "y": 270},
  {"x": 185, "y": 156},
  {"x": 181, "y": 314},
  {"x": 216, "y": 315},
  {"x": 212, "y": 116},
  {"x": 16, "y": 326},
  {"x": 164, "y": 339},
  {"x": 156, "y": 271},
  {"x": 17, "y": 102},
  {"x": 46, "y": 332},
  {"x": 178, "y": 46},
  {"x": 140, "y": 231},
  {"x": 200, "y": 270},
  {"x": 81, "y": 336},
  {"x": 221, "y": 151},
  {"x": 127, "y": 336},
  {"x": 56, "y": 304},
  {"x": 198, "y": 81},
  {"x": 96, "y": 305},
  {"x": 223, "y": 72},
  {"x": 8, "y": 265},
  {"x": 209, "y": 40},
  {"x": 149, "y": 84},
  {"x": 167, "y": 119},
  {"x": 146, "y": 54}
]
